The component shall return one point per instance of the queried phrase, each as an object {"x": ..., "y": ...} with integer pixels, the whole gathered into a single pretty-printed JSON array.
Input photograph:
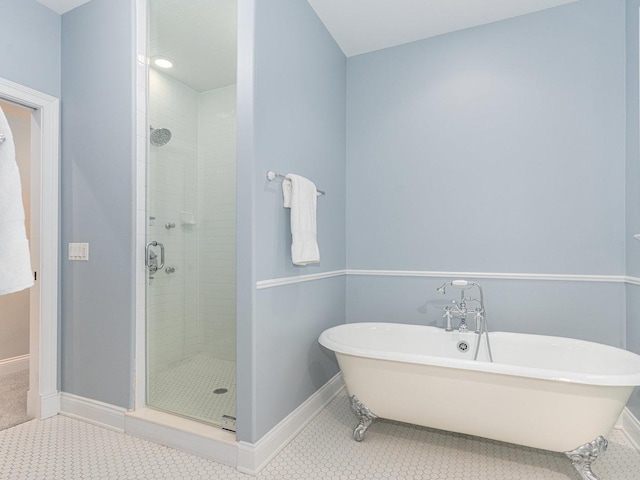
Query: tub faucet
[{"x": 460, "y": 308}]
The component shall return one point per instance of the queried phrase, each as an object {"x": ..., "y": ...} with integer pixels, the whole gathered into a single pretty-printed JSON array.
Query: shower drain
[
  {"x": 463, "y": 346},
  {"x": 220, "y": 391}
]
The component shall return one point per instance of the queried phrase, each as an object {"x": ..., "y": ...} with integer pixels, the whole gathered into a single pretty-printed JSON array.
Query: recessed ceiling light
[{"x": 162, "y": 62}]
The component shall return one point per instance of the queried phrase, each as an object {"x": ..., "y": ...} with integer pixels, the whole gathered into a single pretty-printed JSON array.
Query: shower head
[
  {"x": 160, "y": 136},
  {"x": 441, "y": 288}
]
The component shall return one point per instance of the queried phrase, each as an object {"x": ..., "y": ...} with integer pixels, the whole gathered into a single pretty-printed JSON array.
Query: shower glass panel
[{"x": 191, "y": 224}]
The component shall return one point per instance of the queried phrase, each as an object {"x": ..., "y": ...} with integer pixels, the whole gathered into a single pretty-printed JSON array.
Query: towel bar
[{"x": 273, "y": 175}]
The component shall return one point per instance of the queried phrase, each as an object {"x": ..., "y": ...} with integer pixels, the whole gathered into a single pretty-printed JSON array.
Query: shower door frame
[
  {"x": 142, "y": 142},
  {"x": 141, "y": 77}
]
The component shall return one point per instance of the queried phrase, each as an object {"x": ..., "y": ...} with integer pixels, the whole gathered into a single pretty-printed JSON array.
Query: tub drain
[
  {"x": 463, "y": 346},
  {"x": 220, "y": 391}
]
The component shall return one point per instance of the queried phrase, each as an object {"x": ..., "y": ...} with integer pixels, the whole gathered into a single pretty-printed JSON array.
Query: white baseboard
[
  {"x": 631, "y": 427},
  {"x": 49, "y": 405},
  {"x": 92, "y": 411},
  {"x": 14, "y": 364},
  {"x": 254, "y": 457},
  {"x": 197, "y": 438}
]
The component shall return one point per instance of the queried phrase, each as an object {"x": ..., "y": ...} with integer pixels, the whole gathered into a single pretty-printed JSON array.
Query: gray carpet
[{"x": 13, "y": 399}]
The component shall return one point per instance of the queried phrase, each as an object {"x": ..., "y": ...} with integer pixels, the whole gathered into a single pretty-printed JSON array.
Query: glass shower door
[{"x": 191, "y": 319}]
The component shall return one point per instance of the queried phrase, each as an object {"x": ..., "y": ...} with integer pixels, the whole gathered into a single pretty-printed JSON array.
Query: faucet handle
[{"x": 447, "y": 314}]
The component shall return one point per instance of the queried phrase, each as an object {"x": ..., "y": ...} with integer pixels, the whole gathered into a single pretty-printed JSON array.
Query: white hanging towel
[
  {"x": 15, "y": 262},
  {"x": 300, "y": 195}
]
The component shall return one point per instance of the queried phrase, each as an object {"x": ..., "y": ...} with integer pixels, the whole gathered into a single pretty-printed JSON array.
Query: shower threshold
[
  {"x": 194, "y": 418},
  {"x": 197, "y": 438}
]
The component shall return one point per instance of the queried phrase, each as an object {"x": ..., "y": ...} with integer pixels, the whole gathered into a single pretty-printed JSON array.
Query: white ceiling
[
  {"x": 62, "y": 6},
  {"x": 361, "y": 26},
  {"x": 200, "y": 35}
]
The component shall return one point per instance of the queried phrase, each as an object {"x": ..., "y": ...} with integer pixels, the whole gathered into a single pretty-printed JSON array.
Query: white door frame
[{"x": 43, "y": 398}]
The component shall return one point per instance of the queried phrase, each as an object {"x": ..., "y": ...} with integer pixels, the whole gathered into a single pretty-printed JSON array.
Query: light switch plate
[{"x": 79, "y": 251}]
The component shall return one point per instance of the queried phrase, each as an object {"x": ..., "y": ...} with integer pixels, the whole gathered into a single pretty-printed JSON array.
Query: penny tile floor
[{"x": 61, "y": 448}]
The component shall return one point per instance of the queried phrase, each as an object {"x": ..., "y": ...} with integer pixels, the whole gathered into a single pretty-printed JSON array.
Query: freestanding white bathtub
[{"x": 544, "y": 392}]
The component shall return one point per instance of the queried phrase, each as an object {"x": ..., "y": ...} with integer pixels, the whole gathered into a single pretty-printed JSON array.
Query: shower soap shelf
[{"x": 187, "y": 218}]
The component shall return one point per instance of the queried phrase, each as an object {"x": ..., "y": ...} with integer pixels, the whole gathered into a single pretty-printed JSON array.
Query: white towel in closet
[{"x": 15, "y": 262}]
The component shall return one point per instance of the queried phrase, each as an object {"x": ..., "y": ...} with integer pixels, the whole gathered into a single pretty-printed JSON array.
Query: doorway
[
  {"x": 42, "y": 114},
  {"x": 15, "y": 307}
]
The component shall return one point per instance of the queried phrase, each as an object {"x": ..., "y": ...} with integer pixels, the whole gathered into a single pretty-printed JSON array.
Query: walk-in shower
[{"x": 191, "y": 224}]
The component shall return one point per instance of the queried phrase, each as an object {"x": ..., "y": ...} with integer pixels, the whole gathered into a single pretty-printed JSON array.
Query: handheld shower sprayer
[{"x": 459, "y": 284}]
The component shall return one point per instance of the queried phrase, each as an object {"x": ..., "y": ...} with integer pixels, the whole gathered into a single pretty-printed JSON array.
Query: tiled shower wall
[
  {"x": 217, "y": 201},
  {"x": 191, "y": 183},
  {"x": 172, "y": 298}
]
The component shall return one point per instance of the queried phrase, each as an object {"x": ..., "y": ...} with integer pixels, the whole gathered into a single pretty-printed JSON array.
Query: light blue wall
[
  {"x": 300, "y": 128},
  {"x": 494, "y": 149},
  {"x": 499, "y": 148},
  {"x": 633, "y": 186},
  {"x": 30, "y": 39},
  {"x": 295, "y": 124},
  {"x": 98, "y": 202},
  {"x": 633, "y": 139},
  {"x": 92, "y": 47},
  {"x": 290, "y": 364},
  {"x": 591, "y": 311}
]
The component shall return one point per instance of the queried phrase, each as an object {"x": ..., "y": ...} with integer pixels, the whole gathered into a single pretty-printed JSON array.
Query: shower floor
[{"x": 187, "y": 388}]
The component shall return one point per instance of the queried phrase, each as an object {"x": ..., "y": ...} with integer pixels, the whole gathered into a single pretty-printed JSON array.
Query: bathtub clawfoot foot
[
  {"x": 365, "y": 418},
  {"x": 582, "y": 457}
]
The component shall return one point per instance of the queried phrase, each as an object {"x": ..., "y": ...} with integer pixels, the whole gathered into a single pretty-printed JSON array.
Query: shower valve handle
[{"x": 151, "y": 258}]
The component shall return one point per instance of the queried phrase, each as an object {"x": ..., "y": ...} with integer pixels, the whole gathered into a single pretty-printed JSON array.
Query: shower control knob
[
  {"x": 169, "y": 225},
  {"x": 169, "y": 270}
]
